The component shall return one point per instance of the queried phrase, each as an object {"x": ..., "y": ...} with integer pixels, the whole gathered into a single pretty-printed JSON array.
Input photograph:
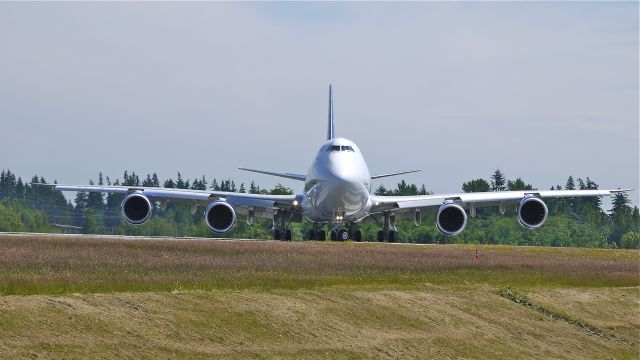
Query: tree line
[{"x": 26, "y": 206}]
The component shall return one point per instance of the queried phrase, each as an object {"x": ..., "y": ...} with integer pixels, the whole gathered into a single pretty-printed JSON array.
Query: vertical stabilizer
[{"x": 331, "y": 128}]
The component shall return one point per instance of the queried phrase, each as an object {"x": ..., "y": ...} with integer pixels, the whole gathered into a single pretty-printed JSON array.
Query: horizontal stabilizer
[
  {"x": 394, "y": 174},
  {"x": 283, "y": 175}
]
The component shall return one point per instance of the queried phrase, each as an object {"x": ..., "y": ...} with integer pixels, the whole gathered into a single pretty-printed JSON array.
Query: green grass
[{"x": 55, "y": 265}]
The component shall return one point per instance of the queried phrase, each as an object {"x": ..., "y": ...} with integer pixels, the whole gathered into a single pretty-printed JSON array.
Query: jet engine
[
  {"x": 136, "y": 208},
  {"x": 451, "y": 218},
  {"x": 219, "y": 216},
  {"x": 532, "y": 212}
]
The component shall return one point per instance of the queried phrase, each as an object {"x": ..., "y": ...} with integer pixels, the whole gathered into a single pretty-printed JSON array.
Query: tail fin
[{"x": 331, "y": 132}]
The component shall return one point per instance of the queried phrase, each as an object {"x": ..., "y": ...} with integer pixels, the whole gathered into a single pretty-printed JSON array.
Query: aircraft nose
[{"x": 346, "y": 174}]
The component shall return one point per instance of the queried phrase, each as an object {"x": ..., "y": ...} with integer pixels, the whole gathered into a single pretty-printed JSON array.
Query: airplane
[{"x": 337, "y": 196}]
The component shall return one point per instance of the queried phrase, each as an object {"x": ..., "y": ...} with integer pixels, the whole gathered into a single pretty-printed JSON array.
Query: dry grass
[
  {"x": 613, "y": 310},
  {"x": 430, "y": 322},
  {"x": 55, "y": 265}
]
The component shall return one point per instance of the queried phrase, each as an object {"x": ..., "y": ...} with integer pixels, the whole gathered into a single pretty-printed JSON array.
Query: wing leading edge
[
  {"x": 263, "y": 204},
  {"x": 480, "y": 199}
]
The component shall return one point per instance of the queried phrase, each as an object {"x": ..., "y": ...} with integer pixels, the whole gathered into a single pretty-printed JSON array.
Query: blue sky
[{"x": 539, "y": 90}]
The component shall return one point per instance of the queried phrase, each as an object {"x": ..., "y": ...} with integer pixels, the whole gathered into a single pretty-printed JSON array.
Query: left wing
[
  {"x": 291, "y": 176},
  {"x": 402, "y": 204},
  {"x": 264, "y": 205}
]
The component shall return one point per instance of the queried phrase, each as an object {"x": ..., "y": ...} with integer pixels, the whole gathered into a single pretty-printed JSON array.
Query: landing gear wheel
[
  {"x": 312, "y": 235},
  {"x": 287, "y": 235},
  {"x": 334, "y": 235},
  {"x": 357, "y": 236},
  {"x": 276, "y": 235},
  {"x": 380, "y": 236},
  {"x": 392, "y": 236},
  {"x": 321, "y": 235},
  {"x": 343, "y": 235}
]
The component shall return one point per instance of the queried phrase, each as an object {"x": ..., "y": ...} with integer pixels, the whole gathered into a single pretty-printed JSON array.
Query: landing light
[{"x": 295, "y": 202}]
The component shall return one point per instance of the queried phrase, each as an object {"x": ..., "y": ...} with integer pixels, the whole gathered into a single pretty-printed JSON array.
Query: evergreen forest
[{"x": 26, "y": 206}]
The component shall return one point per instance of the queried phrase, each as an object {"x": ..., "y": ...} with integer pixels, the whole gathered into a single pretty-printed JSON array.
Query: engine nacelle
[
  {"x": 532, "y": 212},
  {"x": 451, "y": 218},
  {"x": 219, "y": 216},
  {"x": 136, "y": 208}
]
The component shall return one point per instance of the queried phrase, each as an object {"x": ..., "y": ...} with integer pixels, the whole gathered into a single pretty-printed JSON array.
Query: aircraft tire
[
  {"x": 312, "y": 235},
  {"x": 357, "y": 236},
  {"x": 343, "y": 235},
  {"x": 321, "y": 235},
  {"x": 287, "y": 235},
  {"x": 276, "y": 235},
  {"x": 334, "y": 235},
  {"x": 392, "y": 236},
  {"x": 380, "y": 236}
]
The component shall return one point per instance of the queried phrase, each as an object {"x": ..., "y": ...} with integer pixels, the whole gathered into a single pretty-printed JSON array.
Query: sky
[{"x": 539, "y": 90}]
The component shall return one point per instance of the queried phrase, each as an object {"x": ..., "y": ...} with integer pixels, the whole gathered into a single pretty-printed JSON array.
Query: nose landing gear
[{"x": 344, "y": 234}]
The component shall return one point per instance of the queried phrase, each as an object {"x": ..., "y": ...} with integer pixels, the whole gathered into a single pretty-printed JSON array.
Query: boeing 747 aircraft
[{"x": 337, "y": 196}]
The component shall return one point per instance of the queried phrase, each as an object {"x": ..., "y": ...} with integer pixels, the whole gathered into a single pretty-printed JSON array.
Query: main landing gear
[
  {"x": 281, "y": 229},
  {"x": 282, "y": 235},
  {"x": 388, "y": 228},
  {"x": 316, "y": 234}
]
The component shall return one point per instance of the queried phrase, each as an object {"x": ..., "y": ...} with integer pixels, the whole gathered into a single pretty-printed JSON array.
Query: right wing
[
  {"x": 263, "y": 205},
  {"x": 405, "y": 204},
  {"x": 394, "y": 174}
]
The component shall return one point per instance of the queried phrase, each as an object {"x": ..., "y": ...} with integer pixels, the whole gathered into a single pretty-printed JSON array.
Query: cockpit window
[{"x": 338, "y": 148}]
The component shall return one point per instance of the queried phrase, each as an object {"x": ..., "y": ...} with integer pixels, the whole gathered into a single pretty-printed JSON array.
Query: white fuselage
[{"x": 338, "y": 184}]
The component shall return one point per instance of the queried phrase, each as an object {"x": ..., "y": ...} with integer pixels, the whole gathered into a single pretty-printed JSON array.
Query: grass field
[{"x": 94, "y": 297}]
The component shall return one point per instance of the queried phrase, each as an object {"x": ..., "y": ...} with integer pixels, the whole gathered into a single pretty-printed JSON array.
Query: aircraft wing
[
  {"x": 403, "y": 204},
  {"x": 291, "y": 176},
  {"x": 264, "y": 205}
]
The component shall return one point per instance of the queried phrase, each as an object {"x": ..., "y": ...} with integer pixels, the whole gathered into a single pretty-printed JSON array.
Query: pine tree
[
  {"x": 620, "y": 205},
  {"x": 148, "y": 182},
  {"x": 594, "y": 201},
  {"x": 570, "y": 184},
  {"x": 498, "y": 181},
  {"x": 20, "y": 190},
  {"x": 242, "y": 189},
  {"x": 94, "y": 200},
  {"x": 214, "y": 185},
  {"x": 80, "y": 208},
  {"x": 622, "y": 216},
  {"x": 180, "y": 183},
  {"x": 581, "y": 184},
  {"x": 169, "y": 184},
  {"x": 253, "y": 189}
]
